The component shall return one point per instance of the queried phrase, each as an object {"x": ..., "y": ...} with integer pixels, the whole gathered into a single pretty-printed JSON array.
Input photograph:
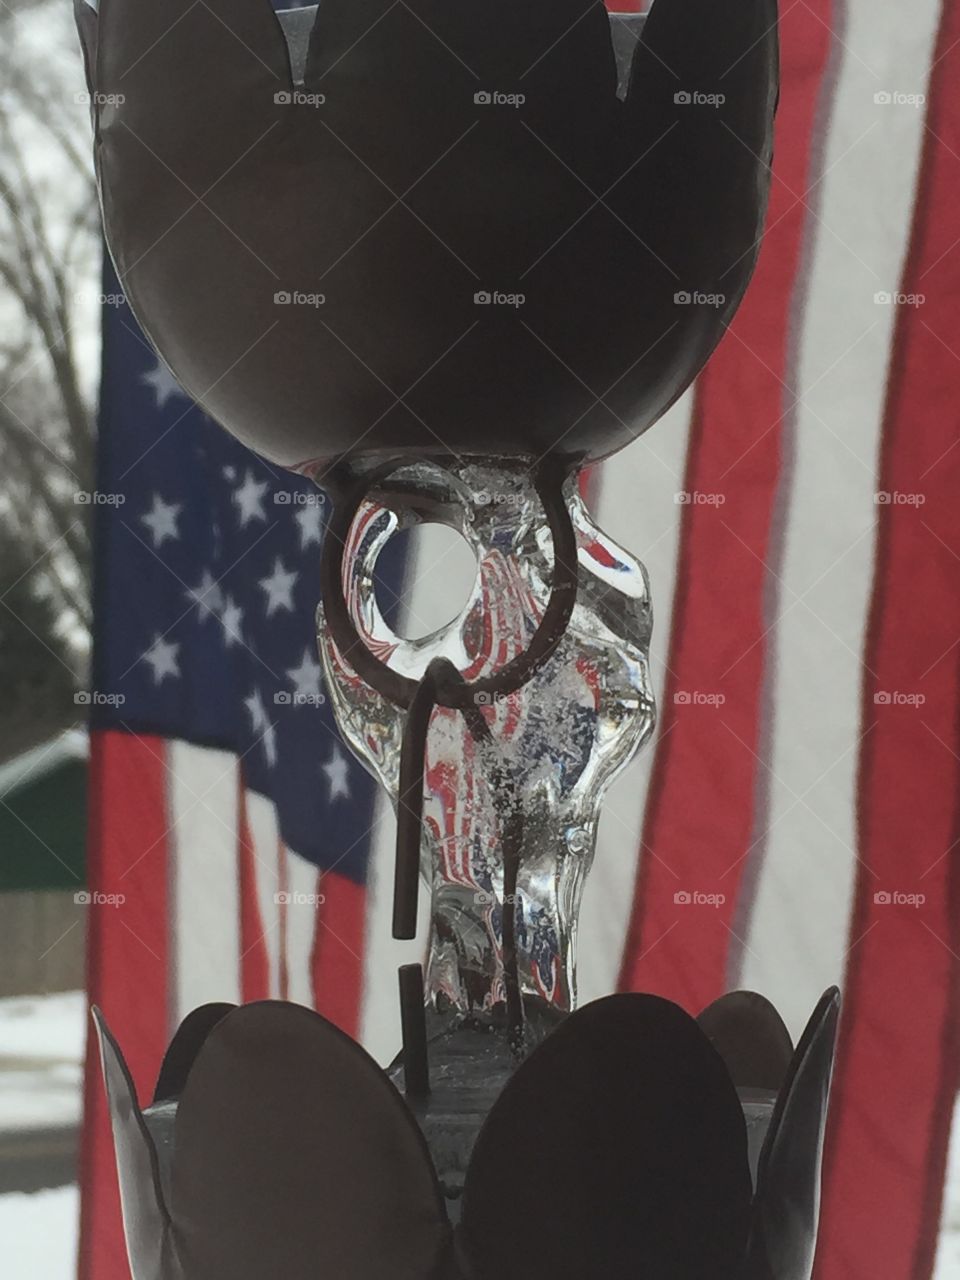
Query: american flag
[
  {"x": 228, "y": 814},
  {"x": 796, "y": 822}
]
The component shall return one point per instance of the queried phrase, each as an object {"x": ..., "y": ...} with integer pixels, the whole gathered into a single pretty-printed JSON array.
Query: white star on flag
[
  {"x": 162, "y": 658},
  {"x": 231, "y": 619},
  {"x": 306, "y": 677},
  {"x": 163, "y": 384},
  {"x": 337, "y": 775},
  {"x": 207, "y": 596},
  {"x": 262, "y": 726},
  {"x": 161, "y": 520},
  {"x": 279, "y": 588},
  {"x": 249, "y": 499},
  {"x": 310, "y": 520}
]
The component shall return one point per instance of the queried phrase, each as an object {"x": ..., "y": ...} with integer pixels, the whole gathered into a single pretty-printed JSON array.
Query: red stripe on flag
[
  {"x": 254, "y": 962},
  {"x": 700, "y": 810},
  {"x": 337, "y": 962},
  {"x": 284, "y": 886},
  {"x": 898, "y": 1068},
  {"x": 127, "y": 964}
]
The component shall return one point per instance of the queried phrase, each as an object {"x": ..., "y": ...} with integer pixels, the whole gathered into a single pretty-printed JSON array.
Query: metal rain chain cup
[{"x": 440, "y": 256}]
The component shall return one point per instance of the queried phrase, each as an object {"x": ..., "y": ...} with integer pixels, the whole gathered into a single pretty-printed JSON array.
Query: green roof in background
[{"x": 43, "y": 813}]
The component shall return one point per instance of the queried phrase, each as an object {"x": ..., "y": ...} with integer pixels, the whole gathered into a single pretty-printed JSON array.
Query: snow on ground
[
  {"x": 41, "y": 1050},
  {"x": 38, "y": 1235}
]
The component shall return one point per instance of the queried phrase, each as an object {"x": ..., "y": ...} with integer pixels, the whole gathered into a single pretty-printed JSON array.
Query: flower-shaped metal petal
[
  {"x": 145, "y": 1217},
  {"x": 293, "y": 1155},
  {"x": 751, "y": 1037},
  {"x": 625, "y": 1120},
  {"x": 381, "y": 200},
  {"x": 786, "y": 1209}
]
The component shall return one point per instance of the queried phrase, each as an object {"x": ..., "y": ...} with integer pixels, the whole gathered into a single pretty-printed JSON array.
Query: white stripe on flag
[
  {"x": 805, "y": 857},
  {"x": 638, "y": 508},
  {"x": 204, "y": 878},
  {"x": 302, "y": 882},
  {"x": 265, "y": 839},
  {"x": 948, "y": 1251}
]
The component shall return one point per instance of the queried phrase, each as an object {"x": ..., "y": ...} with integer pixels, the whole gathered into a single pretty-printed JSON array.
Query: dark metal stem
[{"x": 416, "y": 1066}]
